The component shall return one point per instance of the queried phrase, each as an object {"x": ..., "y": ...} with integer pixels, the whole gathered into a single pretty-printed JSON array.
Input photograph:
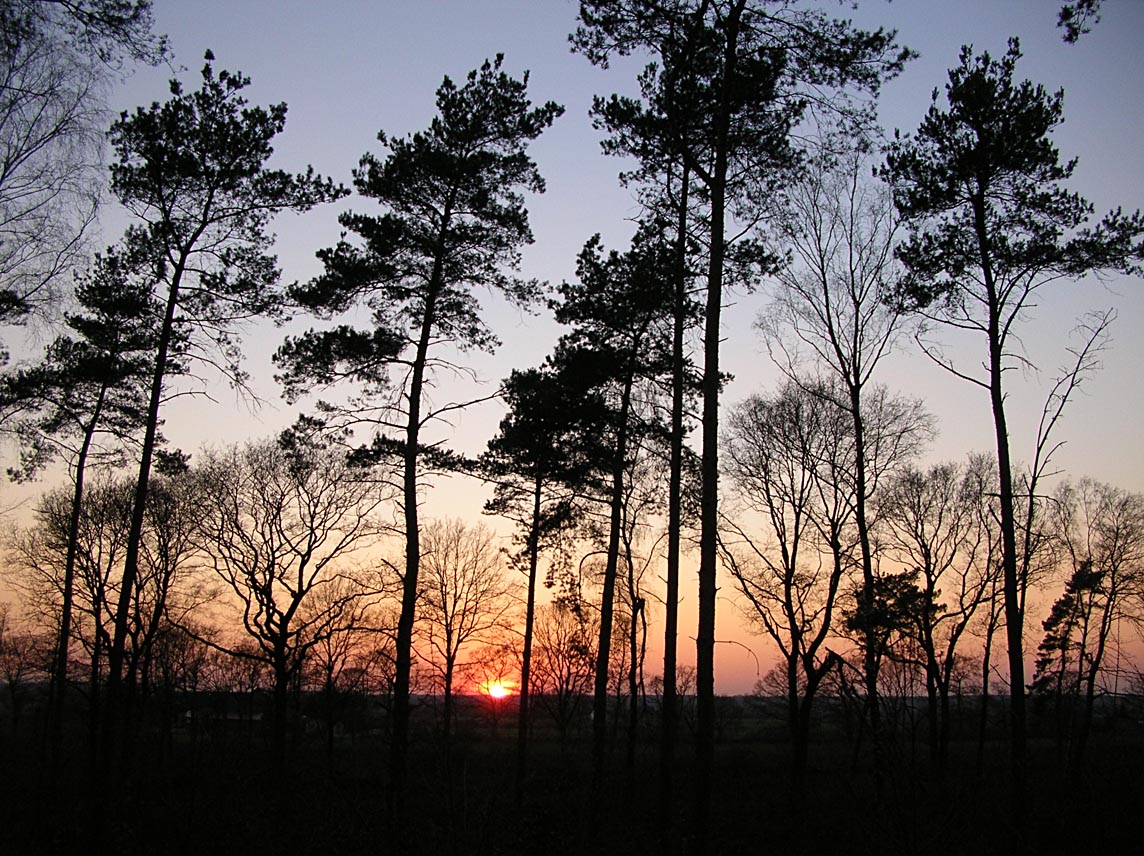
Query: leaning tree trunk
[{"x": 115, "y": 714}]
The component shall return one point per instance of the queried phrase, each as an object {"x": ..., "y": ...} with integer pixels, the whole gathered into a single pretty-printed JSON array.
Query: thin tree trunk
[
  {"x": 1014, "y": 619},
  {"x": 526, "y": 658},
  {"x": 403, "y": 654},
  {"x": 669, "y": 705},
  {"x": 986, "y": 665},
  {"x": 115, "y": 714},
  {"x": 709, "y": 460},
  {"x": 59, "y": 682},
  {"x": 611, "y": 569}
]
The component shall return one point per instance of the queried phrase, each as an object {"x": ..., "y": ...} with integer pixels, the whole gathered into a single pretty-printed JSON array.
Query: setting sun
[{"x": 498, "y": 689}]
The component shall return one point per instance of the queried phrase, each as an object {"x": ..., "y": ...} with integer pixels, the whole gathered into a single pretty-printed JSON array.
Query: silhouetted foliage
[
  {"x": 980, "y": 187},
  {"x": 454, "y": 222},
  {"x": 192, "y": 172},
  {"x": 1078, "y": 18}
]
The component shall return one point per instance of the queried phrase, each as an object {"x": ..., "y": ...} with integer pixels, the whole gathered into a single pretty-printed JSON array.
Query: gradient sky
[{"x": 348, "y": 68}]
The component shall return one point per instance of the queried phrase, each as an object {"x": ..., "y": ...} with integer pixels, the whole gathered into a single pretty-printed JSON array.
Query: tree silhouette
[
  {"x": 465, "y": 599},
  {"x": 617, "y": 310},
  {"x": 933, "y": 523},
  {"x": 831, "y": 313},
  {"x": 540, "y": 461},
  {"x": 279, "y": 525},
  {"x": 790, "y": 458},
  {"x": 742, "y": 72},
  {"x": 1100, "y": 532},
  {"x": 90, "y": 384},
  {"x": 454, "y": 222},
  {"x": 192, "y": 171},
  {"x": 980, "y": 186}
]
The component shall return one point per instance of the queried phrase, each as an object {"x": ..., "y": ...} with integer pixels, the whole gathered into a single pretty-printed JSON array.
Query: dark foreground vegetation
[{"x": 210, "y": 785}]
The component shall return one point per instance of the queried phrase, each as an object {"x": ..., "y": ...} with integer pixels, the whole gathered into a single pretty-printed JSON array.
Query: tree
[
  {"x": 565, "y": 662},
  {"x": 980, "y": 187},
  {"x": 739, "y": 76},
  {"x": 789, "y": 458},
  {"x": 90, "y": 386},
  {"x": 539, "y": 461},
  {"x": 934, "y": 524},
  {"x": 618, "y": 342},
  {"x": 454, "y": 222},
  {"x": 280, "y": 523},
  {"x": 163, "y": 586},
  {"x": 192, "y": 171},
  {"x": 465, "y": 598},
  {"x": 665, "y": 179},
  {"x": 832, "y": 306},
  {"x": 1100, "y": 530},
  {"x": 56, "y": 61}
]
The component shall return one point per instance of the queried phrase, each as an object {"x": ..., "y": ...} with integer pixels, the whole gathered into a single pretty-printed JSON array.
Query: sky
[{"x": 349, "y": 68}]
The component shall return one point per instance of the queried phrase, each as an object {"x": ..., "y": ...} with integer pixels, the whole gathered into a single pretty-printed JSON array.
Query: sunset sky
[{"x": 348, "y": 68}]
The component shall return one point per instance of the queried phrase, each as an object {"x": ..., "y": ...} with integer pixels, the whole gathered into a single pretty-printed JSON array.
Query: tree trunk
[
  {"x": 526, "y": 657},
  {"x": 59, "y": 681},
  {"x": 709, "y": 460},
  {"x": 986, "y": 665},
  {"x": 115, "y": 714},
  {"x": 1014, "y": 619},
  {"x": 278, "y": 726},
  {"x": 604, "y": 649},
  {"x": 872, "y": 656},
  {"x": 450, "y": 665},
  {"x": 669, "y": 712},
  {"x": 403, "y": 653}
]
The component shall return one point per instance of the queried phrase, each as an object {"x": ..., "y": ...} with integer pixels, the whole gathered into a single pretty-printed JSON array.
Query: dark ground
[{"x": 220, "y": 793}]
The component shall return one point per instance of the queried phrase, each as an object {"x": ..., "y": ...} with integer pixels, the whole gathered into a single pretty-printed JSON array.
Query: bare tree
[
  {"x": 1101, "y": 534},
  {"x": 789, "y": 461},
  {"x": 280, "y": 522},
  {"x": 57, "y": 60},
  {"x": 831, "y": 314},
  {"x": 564, "y": 663},
  {"x": 38, "y": 557},
  {"x": 932, "y": 523},
  {"x": 465, "y": 598}
]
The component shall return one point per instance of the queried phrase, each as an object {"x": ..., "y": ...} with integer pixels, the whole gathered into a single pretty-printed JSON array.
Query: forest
[{"x": 281, "y": 644}]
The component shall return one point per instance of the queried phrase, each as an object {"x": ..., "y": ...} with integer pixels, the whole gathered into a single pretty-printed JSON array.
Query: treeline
[{"x": 306, "y": 561}]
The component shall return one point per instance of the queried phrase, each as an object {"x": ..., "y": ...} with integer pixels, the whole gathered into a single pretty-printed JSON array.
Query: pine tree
[
  {"x": 981, "y": 189},
  {"x": 192, "y": 172},
  {"x": 454, "y": 221}
]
